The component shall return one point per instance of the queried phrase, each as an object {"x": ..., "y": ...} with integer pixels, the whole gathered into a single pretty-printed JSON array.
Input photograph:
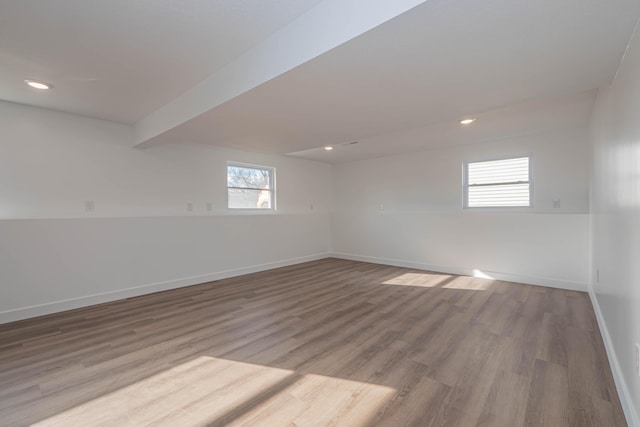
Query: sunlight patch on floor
[
  {"x": 320, "y": 400},
  {"x": 479, "y": 282},
  {"x": 468, "y": 283},
  {"x": 422, "y": 280},
  {"x": 209, "y": 390},
  {"x": 481, "y": 274}
]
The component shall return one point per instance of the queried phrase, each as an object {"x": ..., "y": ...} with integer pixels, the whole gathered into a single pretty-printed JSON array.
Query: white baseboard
[
  {"x": 85, "y": 301},
  {"x": 630, "y": 411},
  {"x": 529, "y": 280}
]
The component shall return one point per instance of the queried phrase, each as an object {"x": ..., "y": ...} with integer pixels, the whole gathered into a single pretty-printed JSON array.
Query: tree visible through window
[
  {"x": 498, "y": 183},
  {"x": 250, "y": 187}
]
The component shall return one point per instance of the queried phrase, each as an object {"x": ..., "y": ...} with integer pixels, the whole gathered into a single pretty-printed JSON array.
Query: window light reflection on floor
[
  {"x": 479, "y": 281},
  {"x": 209, "y": 390},
  {"x": 482, "y": 275}
]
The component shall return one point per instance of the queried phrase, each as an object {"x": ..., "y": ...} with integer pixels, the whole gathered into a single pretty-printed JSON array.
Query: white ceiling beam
[{"x": 326, "y": 26}]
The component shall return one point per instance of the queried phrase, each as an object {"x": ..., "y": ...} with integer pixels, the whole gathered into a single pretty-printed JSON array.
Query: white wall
[
  {"x": 616, "y": 223},
  {"x": 54, "y": 255},
  {"x": 423, "y": 223},
  {"x": 51, "y": 162}
]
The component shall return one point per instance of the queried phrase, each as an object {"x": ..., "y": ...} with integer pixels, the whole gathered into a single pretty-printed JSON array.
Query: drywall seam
[
  {"x": 70, "y": 304},
  {"x": 626, "y": 50}
]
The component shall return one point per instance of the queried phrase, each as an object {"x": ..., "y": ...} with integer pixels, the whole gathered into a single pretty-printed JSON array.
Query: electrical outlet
[
  {"x": 89, "y": 206},
  {"x": 381, "y": 206},
  {"x": 311, "y": 207},
  {"x": 638, "y": 359},
  {"x": 189, "y": 207},
  {"x": 556, "y": 204},
  {"x": 209, "y": 207}
]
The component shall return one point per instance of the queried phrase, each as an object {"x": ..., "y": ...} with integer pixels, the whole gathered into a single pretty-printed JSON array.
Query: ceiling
[
  {"x": 513, "y": 121},
  {"x": 120, "y": 60},
  {"x": 397, "y": 85}
]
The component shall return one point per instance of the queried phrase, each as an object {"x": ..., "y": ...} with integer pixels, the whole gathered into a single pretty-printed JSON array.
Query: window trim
[
  {"x": 465, "y": 182},
  {"x": 272, "y": 191}
]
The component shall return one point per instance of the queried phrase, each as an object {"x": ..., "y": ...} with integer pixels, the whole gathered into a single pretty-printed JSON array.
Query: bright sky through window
[
  {"x": 250, "y": 187},
  {"x": 498, "y": 183}
]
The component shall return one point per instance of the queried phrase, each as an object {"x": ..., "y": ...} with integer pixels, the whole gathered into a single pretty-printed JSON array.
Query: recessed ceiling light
[
  {"x": 328, "y": 148},
  {"x": 467, "y": 121},
  {"x": 36, "y": 84}
]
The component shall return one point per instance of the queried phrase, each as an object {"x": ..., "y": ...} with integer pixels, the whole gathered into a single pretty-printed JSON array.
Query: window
[
  {"x": 498, "y": 183},
  {"x": 250, "y": 187}
]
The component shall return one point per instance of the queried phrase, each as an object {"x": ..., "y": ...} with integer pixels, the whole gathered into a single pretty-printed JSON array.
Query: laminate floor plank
[
  {"x": 506, "y": 401},
  {"x": 326, "y": 343},
  {"x": 548, "y": 402}
]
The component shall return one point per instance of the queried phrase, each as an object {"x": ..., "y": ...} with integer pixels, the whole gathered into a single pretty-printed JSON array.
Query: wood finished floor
[{"x": 327, "y": 343}]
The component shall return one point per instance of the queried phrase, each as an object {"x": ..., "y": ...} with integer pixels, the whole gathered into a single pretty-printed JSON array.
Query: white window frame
[
  {"x": 465, "y": 182},
  {"x": 272, "y": 181}
]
